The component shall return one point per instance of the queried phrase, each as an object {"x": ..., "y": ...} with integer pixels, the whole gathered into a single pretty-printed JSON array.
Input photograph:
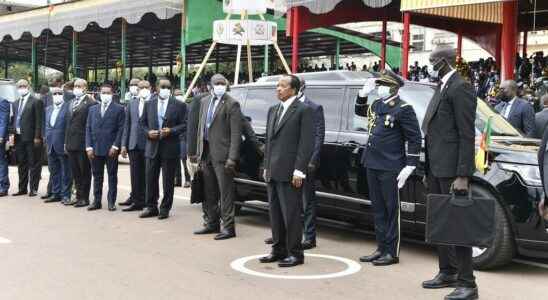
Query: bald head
[
  {"x": 509, "y": 86},
  {"x": 446, "y": 53}
]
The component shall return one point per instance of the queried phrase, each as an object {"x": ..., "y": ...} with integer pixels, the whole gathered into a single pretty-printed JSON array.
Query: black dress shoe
[
  {"x": 20, "y": 193},
  {"x": 46, "y": 196},
  {"x": 290, "y": 261},
  {"x": 128, "y": 202},
  {"x": 207, "y": 230},
  {"x": 73, "y": 202},
  {"x": 111, "y": 207},
  {"x": 94, "y": 206},
  {"x": 149, "y": 213},
  {"x": 225, "y": 234},
  {"x": 441, "y": 281},
  {"x": 163, "y": 215},
  {"x": 307, "y": 245},
  {"x": 3, "y": 194},
  {"x": 186, "y": 185},
  {"x": 53, "y": 199},
  {"x": 269, "y": 241},
  {"x": 372, "y": 257},
  {"x": 386, "y": 260},
  {"x": 463, "y": 293},
  {"x": 81, "y": 203},
  {"x": 133, "y": 207},
  {"x": 271, "y": 258},
  {"x": 32, "y": 193}
]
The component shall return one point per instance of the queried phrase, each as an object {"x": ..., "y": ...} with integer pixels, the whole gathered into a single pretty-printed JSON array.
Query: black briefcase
[
  {"x": 197, "y": 187},
  {"x": 460, "y": 220}
]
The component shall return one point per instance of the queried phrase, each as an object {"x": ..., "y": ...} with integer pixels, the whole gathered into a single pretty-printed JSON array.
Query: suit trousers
[
  {"x": 60, "y": 178},
  {"x": 29, "y": 164},
  {"x": 219, "y": 193},
  {"x": 153, "y": 166},
  {"x": 452, "y": 259},
  {"x": 285, "y": 203},
  {"x": 179, "y": 173},
  {"x": 81, "y": 173},
  {"x": 383, "y": 192},
  {"x": 98, "y": 169},
  {"x": 310, "y": 204},
  {"x": 4, "y": 173},
  {"x": 137, "y": 165}
]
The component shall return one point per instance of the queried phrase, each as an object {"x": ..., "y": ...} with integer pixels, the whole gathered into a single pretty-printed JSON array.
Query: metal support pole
[
  {"x": 95, "y": 70},
  {"x": 124, "y": 61},
  {"x": 199, "y": 71},
  {"x": 383, "y": 45},
  {"x": 459, "y": 44},
  {"x": 34, "y": 64},
  {"x": 525, "y": 33},
  {"x": 238, "y": 60},
  {"x": 405, "y": 44},
  {"x": 6, "y": 62},
  {"x": 107, "y": 56},
  {"x": 295, "y": 39},
  {"x": 265, "y": 67},
  {"x": 338, "y": 54},
  {"x": 182, "y": 74},
  {"x": 150, "y": 60},
  {"x": 74, "y": 55},
  {"x": 508, "y": 39}
]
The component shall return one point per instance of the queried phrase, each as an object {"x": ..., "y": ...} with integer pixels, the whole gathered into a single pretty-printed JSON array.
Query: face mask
[
  {"x": 78, "y": 92},
  {"x": 106, "y": 98},
  {"x": 180, "y": 98},
  {"x": 219, "y": 90},
  {"x": 435, "y": 73},
  {"x": 134, "y": 90},
  {"x": 164, "y": 93},
  {"x": 144, "y": 93},
  {"x": 23, "y": 91},
  {"x": 383, "y": 91},
  {"x": 58, "y": 99}
]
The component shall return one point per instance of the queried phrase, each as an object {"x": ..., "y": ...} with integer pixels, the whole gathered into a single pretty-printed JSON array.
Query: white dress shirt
[
  {"x": 446, "y": 78},
  {"x": 20, "y": 110},
  {"x": 507, "y": 108},
  {"x": 55, "y": 114},
  {"x": 285, "y": 106},
  {"x": 141, "y": 106}
]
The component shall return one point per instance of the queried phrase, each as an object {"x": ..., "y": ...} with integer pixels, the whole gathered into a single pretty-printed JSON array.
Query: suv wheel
[{"x": 503, "y": 249}]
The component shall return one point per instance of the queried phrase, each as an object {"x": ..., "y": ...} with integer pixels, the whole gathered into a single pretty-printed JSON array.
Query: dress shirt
[
  {"x": 507, "y": 108},
  {"x": 55, "y": 114},
  {"x": 162, "y": 106},
  {"x": 446, "y": 78},
  {"x": 22, "y": 103}
]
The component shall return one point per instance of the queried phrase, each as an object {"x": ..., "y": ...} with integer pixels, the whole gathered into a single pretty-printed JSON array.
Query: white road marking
[
  {"x": 4, "y": 240},
  {"x": 353, "y": 267}
]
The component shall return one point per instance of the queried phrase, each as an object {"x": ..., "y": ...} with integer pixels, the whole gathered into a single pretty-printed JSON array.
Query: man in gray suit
[
  {"x": 541, "y": 118},
  {"x": 218, "y": 149},
  {"x": 515, "y": 110},
  {"x": 289, "y": 147}
]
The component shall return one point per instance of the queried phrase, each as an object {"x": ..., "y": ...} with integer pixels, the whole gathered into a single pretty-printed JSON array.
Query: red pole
[
  {"x": 383, "y": 45},
  {"x": 508, "y": 39},
  {"x": 405, "y": 45},
  {"x": 459, "y": 44},
  {"x": 524, "y": 44},
  {"x": 295, "y": 39}
]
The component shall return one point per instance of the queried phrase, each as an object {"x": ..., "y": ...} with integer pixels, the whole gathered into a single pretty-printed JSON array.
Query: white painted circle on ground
[
  {"x": 352, "y": 267},
  {"x": 4, "y": 241}
]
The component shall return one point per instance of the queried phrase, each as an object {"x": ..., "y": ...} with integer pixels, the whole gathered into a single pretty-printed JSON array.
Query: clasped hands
[{"x": 159, "y": 134}]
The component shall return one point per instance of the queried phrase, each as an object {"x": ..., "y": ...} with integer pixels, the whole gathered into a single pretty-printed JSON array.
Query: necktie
[
  {"x": 278, "y": 116},
  {"x": 161, "y": 113},
  {"x": 103, "y": 109},
  {"x": 76, "y": 103},
  {"x": 19, "y": 113},
  {"x": 210, "y": 113}
]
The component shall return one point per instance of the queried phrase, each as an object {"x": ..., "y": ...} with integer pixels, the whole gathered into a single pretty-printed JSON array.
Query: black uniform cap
[{"x": 390, "y": 78}]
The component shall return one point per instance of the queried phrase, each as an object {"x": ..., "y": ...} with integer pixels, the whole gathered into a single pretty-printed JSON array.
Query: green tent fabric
[{"x": 202, "y": 13}]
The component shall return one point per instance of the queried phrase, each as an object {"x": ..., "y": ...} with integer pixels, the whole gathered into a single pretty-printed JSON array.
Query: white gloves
[
  {"x": 368, "y": 87},
  {"x": 404, "y": 174}
]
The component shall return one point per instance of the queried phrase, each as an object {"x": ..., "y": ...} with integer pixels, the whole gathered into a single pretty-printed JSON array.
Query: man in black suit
[
  {"x": 543, "y": 166},
  {"x": 289, "y": 147},
  {"x": 28, "y": 122},
  {"x": 541, "y": 118},
  {"x": 75, "y": 142},
  {"x": 450, "y": 136},
  {"x": 133, "y": 143},
  {"x": 218, "y": 149},
  {"x": 515, "y": 110},
  {"x": 163, "y": 120}
]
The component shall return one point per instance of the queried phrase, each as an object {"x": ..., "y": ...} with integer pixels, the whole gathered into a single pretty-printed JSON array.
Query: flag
[{"x": 482, "y": 161}]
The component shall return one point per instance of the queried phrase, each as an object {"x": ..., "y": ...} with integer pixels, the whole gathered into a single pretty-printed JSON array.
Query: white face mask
[
  {"x": 383, "y": 91},
  {"x": 58, "y": 99},
  {"x": 180, "y": 98},
  {"x": 219, "y": 90},
  {"x": 134, "y": 90},
  {"x": 78, "y": 92},
  {"x": 106, "y": 98},
  {"x": 23, "y": 91},
  {"x": 164, "y": 93},
  {"x": 144, "y": 93}
]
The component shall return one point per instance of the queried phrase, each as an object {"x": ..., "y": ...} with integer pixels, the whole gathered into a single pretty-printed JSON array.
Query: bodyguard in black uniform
[{"x": 392, "y": 124}]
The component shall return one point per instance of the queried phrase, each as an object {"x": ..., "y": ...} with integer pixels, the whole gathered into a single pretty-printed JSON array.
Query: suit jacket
[
  {"x": 225, "y": 131},
  {"x": 174, "y": 118},
  {"x": 522, "y": 116},
  {"x": 319, "y": 130},
  {"x": 193, "y": 121},
  {"x": 133, "y": 137},
  {"x": 103, "y": 133},
  {"x": 449, "y": 128},
  {"x": 47, "y": 100},
  {"x": 5, "y": 107},
  {"x": 32, "y": 119},
  {"x": 182, "y": 137},
  {"x": 75, "y": 135},
  {"x": 541, "y": 120},
  {"x": 289, "y": 146},
  {"x": 55, "y": 135},
  {"x": 542, "y": 160}
]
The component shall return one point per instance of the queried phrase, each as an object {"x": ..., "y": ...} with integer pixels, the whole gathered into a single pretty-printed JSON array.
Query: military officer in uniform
[{"x": 392, "y": 125}]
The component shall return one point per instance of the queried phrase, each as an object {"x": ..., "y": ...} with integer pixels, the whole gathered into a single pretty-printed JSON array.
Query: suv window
[
  {"x": 331, "y": 98},
  {"x": 359, "y": 123},
  {"x": 8, "y": 91},
  {"x": 257, "y": 105},
  {"x": 238, "y": 94}
]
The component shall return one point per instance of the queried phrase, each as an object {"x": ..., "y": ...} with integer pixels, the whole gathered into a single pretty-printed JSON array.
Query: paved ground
[{"x": 50, "y": 251}]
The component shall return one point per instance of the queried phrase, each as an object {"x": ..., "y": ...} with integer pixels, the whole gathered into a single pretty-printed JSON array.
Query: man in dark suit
[
  {"x": 218, "y": 149},
  {"x": 55, "y": 128},
  {"x": 104, "y": 129},
  {"x": 163, "y": 120},
  {"x": 515, "y": 110},
  {"x": 133, "y": 143},
  {"x": 449, "y": 137},
  {"x": 5, "y": 109},
  {"x": 543, "y": 166},
  {"x": 28, "y": 120},
  {"x": 541, "y": 118},
  {"x": 289, "y": 147},
  {"x": 75, "y": 142}
]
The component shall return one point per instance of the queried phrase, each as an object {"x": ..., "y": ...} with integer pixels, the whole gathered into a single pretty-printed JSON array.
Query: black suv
[{"x": 513, "y": 179}]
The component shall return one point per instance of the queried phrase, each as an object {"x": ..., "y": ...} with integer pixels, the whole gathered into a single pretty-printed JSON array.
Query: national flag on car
[{"x": 482, "y": 160}]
